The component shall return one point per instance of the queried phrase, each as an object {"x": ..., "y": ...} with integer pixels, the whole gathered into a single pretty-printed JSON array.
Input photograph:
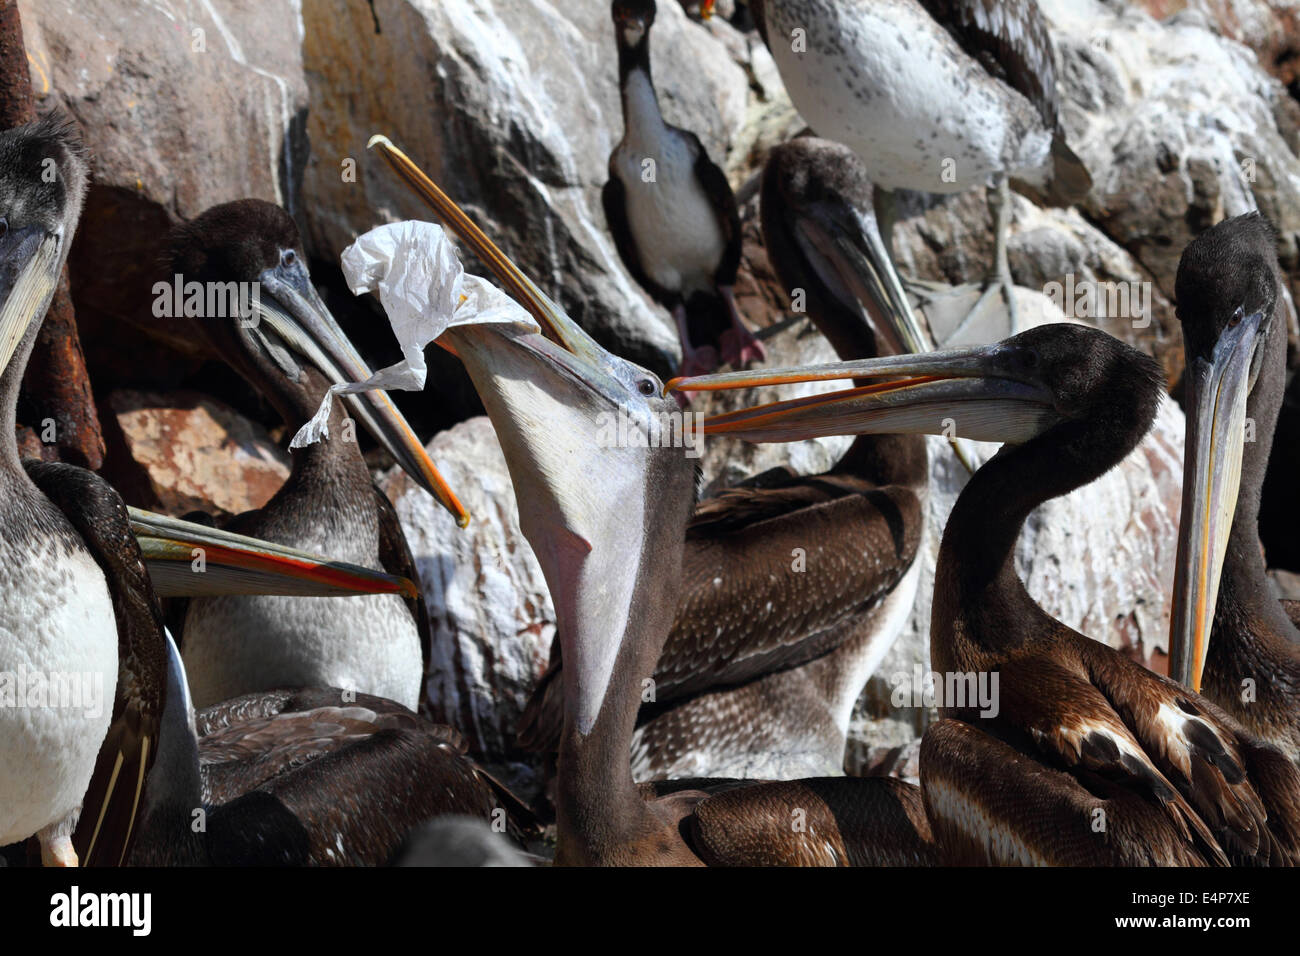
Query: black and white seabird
[
  {"x": 670, "y": 209},
  {"x": 937, "y": 96},
  {"x": 292, "y": 353}
]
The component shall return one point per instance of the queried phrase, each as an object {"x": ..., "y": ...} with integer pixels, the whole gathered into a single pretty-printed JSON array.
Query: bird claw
[
  {"x": 740, "y": 348},
  {"x": 700, "y": 361}
]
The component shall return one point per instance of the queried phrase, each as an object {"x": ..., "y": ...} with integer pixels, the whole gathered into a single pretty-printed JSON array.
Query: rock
[
  {"x": 1179, "y": 128},
  {"x": 183, "y": 451},
  {"x": 513, "y": 107},
  {"x": 183, "y": 106},
  {"x": 233, "y": 82},
  {"x": 489, "y": 608}
]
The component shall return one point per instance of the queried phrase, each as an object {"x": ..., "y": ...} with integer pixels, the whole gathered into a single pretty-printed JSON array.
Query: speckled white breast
[
  {"x": 676, "y": 232},
  {"x": 880, "y": 78},
  {"x": 57, "y": 629},
  {"x": 239, "y": 645}
]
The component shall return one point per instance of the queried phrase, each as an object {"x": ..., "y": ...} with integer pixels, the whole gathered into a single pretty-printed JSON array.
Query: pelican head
[
  {"x": 286, "y": 343},
  {"x": 603, "y": 509},
  {"x": 1228, "y": 291}
]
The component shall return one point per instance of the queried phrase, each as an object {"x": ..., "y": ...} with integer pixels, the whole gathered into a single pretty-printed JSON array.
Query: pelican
[
  {"x": 764, "y": 663},
  {"x": 613, "y": 575},
  {"x": 1084, "y": 757},
  {"x": 1236, "y": 644},
  {"x": 292, "y": 350}
]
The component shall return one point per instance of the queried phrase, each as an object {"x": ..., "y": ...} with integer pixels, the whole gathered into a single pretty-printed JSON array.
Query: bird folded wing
[
  {"x": 991, "y": 803},
  {"x": 1076, "y": 725},
  {"x": 1199, "y": 748}
]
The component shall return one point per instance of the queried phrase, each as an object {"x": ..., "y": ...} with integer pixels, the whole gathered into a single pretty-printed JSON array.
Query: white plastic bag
[{"x": 424, "y": 290}]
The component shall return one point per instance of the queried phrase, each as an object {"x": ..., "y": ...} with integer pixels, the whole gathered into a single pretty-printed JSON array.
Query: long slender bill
[
  {"x": 851, "y": 257},
  {"x": 982, "y": 393},
  {"x": 29, "y": 271},
  {"x": 1216, "y": 422},
  {"x": 555, "y": 324},
  {"x": 296, "y": 313},
  {"x": 193, "y": 560}
]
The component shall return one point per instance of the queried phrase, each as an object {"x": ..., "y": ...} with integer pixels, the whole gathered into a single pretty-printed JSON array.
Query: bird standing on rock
[{"x": 671, "y": 210}]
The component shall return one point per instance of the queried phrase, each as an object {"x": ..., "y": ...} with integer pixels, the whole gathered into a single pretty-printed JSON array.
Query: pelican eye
[
  {"x": 646, "y": 387},
  {"x": 288, "y": 257},
  {"x": 1237, "y": 316}
]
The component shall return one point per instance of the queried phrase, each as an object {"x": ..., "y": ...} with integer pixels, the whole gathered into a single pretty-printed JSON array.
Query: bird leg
[
  {"x": 739, "y": 345},
  {"x": 695, "y": 361},
  {"x": 885, "y": 203},
  {"x": 56, "y": 842},
  {"x": 999, "y": 199}
]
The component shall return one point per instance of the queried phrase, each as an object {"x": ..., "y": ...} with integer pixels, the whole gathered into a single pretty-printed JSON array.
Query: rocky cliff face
[{"x": 1183, "y": 111}]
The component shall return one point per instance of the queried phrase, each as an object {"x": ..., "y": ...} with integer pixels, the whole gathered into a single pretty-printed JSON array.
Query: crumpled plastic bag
[{"x": 424, "y": 290}]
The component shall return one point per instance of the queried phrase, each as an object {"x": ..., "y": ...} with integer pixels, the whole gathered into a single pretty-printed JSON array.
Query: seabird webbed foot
[
  {"x": 739, "y": 345},
  {"x": 56, "y": 844}
]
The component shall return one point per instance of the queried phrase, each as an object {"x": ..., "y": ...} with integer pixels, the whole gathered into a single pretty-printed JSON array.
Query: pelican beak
[
  {"x": 549, "y": 397},
  {"x": 29, "y": 271},
  {"x": 984, "y": 394},
  {"x": 706, "y": 9},
  {"x": 849, "y": 254},
  {"x": 1216, "y": 424},
  {"x": 290, "y": 306},
  {"x": 188, "y": 559},
  {"x": 584, "y": 356}
]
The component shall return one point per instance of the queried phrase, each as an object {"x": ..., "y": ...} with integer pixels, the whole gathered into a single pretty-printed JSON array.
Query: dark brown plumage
[
  {"x": 313, "y": 777},
  {"x": 1119, "y": 732},
  {"x": 754, "y": 634},
  {"x": 1252, "y": 666},
  {"x": 827, "y": 821}
]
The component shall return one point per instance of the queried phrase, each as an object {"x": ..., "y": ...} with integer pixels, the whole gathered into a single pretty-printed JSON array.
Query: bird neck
[
  {"x": 980, "y": 604},
  {"x": 640, "y": 101},
  {"x": 333, "y": 462},
  {"x": 11, "y": 382},
  {"x": 600, "y": 812}
]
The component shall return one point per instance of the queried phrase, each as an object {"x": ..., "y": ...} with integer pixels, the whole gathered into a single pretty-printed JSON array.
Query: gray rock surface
[{"x": 513, "y": 107}]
